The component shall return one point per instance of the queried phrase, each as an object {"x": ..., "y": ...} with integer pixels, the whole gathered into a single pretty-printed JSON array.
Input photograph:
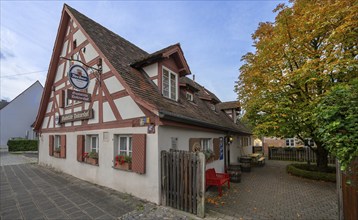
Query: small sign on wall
[
  {"x": 151, "y": 129},
  {"x": 78, "y": 96},
  {"x": 221, "y": 148}
]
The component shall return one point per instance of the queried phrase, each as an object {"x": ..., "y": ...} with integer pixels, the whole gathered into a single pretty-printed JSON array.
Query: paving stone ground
[
  {"x": 29, "y": 191},
  {"x": 270, "y": 193}
]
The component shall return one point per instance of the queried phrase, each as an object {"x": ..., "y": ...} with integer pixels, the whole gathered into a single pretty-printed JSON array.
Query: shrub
[
  {"x": 22, "y": 145},
  {"x": 311, "y": 172}
]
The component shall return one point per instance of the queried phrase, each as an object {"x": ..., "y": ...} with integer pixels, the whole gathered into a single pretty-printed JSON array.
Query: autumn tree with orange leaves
[{"x": 310, "y": 48}]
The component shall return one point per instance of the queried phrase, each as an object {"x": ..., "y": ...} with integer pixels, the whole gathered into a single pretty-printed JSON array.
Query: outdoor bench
[{"x": 216, "y": 179}]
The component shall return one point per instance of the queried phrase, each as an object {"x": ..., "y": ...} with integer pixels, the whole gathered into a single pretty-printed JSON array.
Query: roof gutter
[{"x": 180, "y": 118}]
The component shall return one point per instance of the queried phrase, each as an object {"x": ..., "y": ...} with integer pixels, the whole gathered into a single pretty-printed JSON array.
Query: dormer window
[
  {"x": 189, "y": 96},
  {"x": 212, "y": 106},
  {"x": 170, "y": 84}
]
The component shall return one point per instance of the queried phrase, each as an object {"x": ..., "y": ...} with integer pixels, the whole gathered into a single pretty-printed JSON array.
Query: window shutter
[
  {"x": 216, "y": 143},
  {"x": 51, "y": 140},
  {"x": 138, "y": 153},
  {"x": 80, "y": 147},
  {"x": 194, "y": 142},
  {"x": 63, "y": 146}
]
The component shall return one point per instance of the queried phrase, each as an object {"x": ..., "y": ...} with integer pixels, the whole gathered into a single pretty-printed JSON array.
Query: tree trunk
[{"x": 322, "y": 157}]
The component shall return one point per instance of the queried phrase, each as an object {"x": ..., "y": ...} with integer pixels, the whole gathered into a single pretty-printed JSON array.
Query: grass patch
[{"x": 311, "y": 172}]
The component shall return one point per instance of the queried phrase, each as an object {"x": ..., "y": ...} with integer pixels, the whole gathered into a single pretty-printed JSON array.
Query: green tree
[
  {"x": 337, "y": 119},
  {"x": 311, "y": 46}
]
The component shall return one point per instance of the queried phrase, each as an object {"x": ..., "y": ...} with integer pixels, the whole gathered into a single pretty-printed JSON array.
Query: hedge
[
  {"x": 309, "y": 172},
  {"x": 23, "y": 145}
]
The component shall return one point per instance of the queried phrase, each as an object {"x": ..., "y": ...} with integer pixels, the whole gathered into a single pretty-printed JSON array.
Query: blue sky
[{"x": 214, "y": 35}]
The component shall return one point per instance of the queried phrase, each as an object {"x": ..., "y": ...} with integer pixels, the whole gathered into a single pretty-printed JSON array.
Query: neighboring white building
[
  {"x": 138, "y": 106},
  {"x": 18, "y": 116}
]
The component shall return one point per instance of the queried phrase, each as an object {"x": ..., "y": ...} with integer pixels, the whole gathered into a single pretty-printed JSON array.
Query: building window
[
  {"x": 189, "y": 96},
  {"x": 92, "y": 144},
  {"x": 169, "y": 84},
  {"x": 205, "y": 144},
  {"x": 290, "y": 142},
  {"x": 123, "y": 145},
  {"x": 57, "y": 144}
]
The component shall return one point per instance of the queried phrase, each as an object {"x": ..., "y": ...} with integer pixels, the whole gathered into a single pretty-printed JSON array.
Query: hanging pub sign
[
  {"x": 78, "y": 77},
  {"x": 78, "y": 96},
  {"x": 77, "y": 116}
]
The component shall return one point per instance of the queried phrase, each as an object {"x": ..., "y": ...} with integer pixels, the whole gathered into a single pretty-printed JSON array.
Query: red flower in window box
[{"x": 123, "y": 162}]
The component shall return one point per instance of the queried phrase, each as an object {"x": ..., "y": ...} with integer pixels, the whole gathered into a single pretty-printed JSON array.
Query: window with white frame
[
  {"x": 290, "y": 142},
  {"x": 205, "y": 144},
  {"x": 189, "y": 96},
  {"x": 92, "y": 144},
  {"x": 123, "y": 145},
  {"x": 169, "y": 84},
  {"x": 57, "y": 144}
]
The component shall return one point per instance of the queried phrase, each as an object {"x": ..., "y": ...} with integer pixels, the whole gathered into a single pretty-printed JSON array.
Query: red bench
[{"x": 216, "y": 179}]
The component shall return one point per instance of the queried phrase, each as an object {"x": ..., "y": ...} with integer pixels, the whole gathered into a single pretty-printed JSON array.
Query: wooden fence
[
  {"x": 183, "y": 181},
  {"x": 349, "y": 191},
  {"x": 295, "y": 154}
]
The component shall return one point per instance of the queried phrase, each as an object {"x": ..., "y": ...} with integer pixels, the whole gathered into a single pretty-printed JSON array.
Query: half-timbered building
[{"x": 107, "y": 103}]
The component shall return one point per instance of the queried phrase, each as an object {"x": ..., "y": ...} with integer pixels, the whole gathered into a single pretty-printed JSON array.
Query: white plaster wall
[
  {"x": 59, "y": 72},
  {"x": 60, "y": 86},
  {"x": 155, "y": 82},
  {"x": 95, "y": 118},
  {"x": 128, "y": 108},
  {"x": 51, "y": 122},
  {"x": 90, "y": 54},
  {"x": 105, "y": 67},
  {"x": 113, "y": 85},
  {"x": 183, "y": 135},
  {"x": 145, "y": 186},
  {"x": 17, "y": 117},
  {"x": 74, "y": 24},
  {"x": 64, "y": 49},
  {"x": 79, "y": 37},
  {"x": 44, "y": 123},
  {"x": 236, "y": 150},
  {"x": 151, "y": 70},
  {"x": 49, "y": 107},
  {"x": 67, "y": 67},
  {"x": 108, "y": 113},
  {"x": 91, "y": 86}
]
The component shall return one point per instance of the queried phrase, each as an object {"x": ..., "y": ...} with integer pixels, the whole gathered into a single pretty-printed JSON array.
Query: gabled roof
[
  {"x": 23, "y": 92},
  {"x": 126, "y": 59},
  {"x": 173, "y": 50},
  {"x": 229, "y": 105},
  {"x": 3, "y": 103}
]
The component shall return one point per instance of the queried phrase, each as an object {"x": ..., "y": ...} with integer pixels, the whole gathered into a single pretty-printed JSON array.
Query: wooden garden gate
[
  {"x": 348, "y": 192},
  {"x": 183, "y": 181}
]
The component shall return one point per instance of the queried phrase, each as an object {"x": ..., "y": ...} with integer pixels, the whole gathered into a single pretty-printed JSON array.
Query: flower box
[
  {"x": 123, "y": 166},
  {"x": 93, "y": 161},
  {"x": 57, "y": 154}
]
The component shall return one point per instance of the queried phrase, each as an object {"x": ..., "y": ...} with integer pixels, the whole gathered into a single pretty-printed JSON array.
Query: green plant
[
  {"x": 312, "y": 172},
  {"x": 128, "y": 159},
  {"x": 22, "y": 145},
  {"x": 208, "y": 154},
  {"x": 58, "y": 149},
  {"x": 93, "y": 155}
]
